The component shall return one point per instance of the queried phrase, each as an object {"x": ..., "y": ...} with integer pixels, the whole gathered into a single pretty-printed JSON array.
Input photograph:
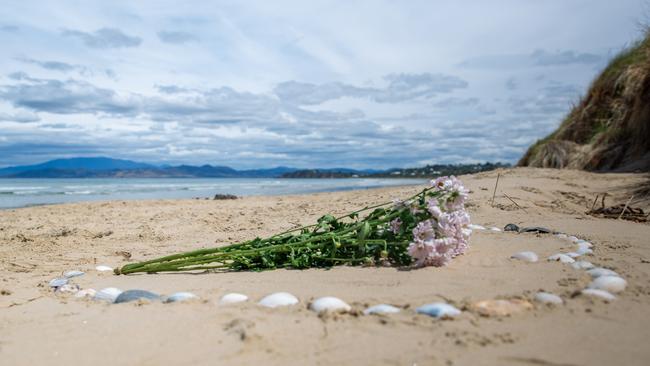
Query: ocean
[{"x": 16, "y": 193}]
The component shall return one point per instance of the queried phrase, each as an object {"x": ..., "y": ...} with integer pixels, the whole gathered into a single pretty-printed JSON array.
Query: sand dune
[{"x": 41, "y": 327}]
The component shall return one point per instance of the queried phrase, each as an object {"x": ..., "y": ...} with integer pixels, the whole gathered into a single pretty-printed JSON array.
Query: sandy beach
[{"x": 42, "y": 327}]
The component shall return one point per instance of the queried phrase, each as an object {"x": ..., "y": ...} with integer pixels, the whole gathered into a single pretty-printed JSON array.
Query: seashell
[
  {"x": 584, "y": 244},
  {"x": 58, "y": 282},
  {"x": 232, "y": 298},
  {"x": 548, "y": 298},
  {"x": 608, "y": 283},
  {"x": 495, "y": 229},
  {"x": 278, "y": 299},
  {"x": 86, "y": 293},
  {"x": 584, "y": 250},
  {"x": 501, "y": 307},
  {"x": 329, "y": 304},
  {"x": 561, "y": 236},
  {"x": 73, "y": 273},
  {"x": 599, "y": 293},
  {"x": 104, "y": 268},
  {"x": 108, "y": 294},
  {"x": 135, "y": 295},
  {"x": 526, "y": 256},
  {"x": 559, "y": 257},
  {"x": 573, "y": 239},
  {"x": 476, "y": 227},
  {"x": 573, "y": 254},
  {"x": 438, "y": 310},
  {"x": 68, "y": 288},
  {"x": 582, "y": 265},
  {"x": 381, "y": 309},
  {"x": 180, "y": 297},
  {"x": 599, "y": 271}
]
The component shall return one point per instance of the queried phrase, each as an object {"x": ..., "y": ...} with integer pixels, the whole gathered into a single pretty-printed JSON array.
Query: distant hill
[
  {"x": 609, "y": 130},
  {"x": 427, "y": 171},
  {"x": 90, "y": 164}
]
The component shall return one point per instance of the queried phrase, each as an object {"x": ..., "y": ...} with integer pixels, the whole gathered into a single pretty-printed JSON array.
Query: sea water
[{"x": 29, "y": 192}]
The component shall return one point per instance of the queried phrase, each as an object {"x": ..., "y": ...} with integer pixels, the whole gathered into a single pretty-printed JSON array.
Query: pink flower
[
  {"x": 424, "y": 231},
  {"x": 420, "y": 250},
  {"x": 395, "y": 225}
]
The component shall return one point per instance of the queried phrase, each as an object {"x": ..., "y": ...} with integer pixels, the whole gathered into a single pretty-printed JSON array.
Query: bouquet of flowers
[{"x": 427, "y": 229}]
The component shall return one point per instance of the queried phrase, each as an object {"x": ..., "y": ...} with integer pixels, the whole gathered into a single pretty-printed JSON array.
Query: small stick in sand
[
  {"x": 594, "y": 204},
  {"x": 495, "y": 189},
  {"x": 513, "y": 201},
  {"x": 625, "y": 207}
]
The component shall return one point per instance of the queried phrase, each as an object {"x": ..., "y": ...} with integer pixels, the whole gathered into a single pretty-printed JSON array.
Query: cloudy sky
[{"x": 362, "y": 84}]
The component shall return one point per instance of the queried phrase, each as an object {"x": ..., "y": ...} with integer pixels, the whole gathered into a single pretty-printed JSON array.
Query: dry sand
[{"x": 39, "y": 243}]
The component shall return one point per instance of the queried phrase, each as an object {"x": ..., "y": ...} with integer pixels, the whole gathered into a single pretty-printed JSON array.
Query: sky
[{"x": 253, "y": 84}]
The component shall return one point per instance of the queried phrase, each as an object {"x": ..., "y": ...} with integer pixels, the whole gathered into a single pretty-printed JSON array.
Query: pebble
[
  {"x": 86, "y": 293},
  {"x": 511, "y": 227},
  {"x": 180, "y": 297},
  {"x": 535, "y": 229},
  {"x": 573, "y": 239},
  {"x": 582, "y": 265},
  {"x": 495, "y": 229},
  {"x": 278, "y": 299},
  {"x": 108, "y": 294},
  {"x": 608, "y": 283},
  {"x": 329, "y": 304},
  {"x": 573, "y": 255},
  {"x": 381, "y": 309},
  {"x": 73, "y": 273},
  {"x": 599, "y": 293},
  {"x": 559, "y": 257},
  {"x": 58, "y": 282},
  {"x": 104, "y": 268},
  {"x": 232, "y": 298},
  {"x": 135, "y": 295},
  {"x": 599, "y": 271},
  {"x": 439, "y": 310},
  {"x": 548, "y": 298},
  {"x": 501, "y": 307},
  {"x": 561, "y": 236},
  {"x": 476, "y": 227},
  {"x": 526, "y": 256}
]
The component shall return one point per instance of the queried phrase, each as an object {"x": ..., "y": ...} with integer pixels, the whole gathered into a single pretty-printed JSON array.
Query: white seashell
[
  {"x": 608, "y": 283},
  {"x": 108, "y": 294},
  {"x": 180, "y": 297},
  {"x": 73, "y": 273},
  {"x": 584, "y": 244},
  {"x": 381, "y": 309},
  {"x": 573, "y": 254},
  {"x": 582, "y": 265},
  {"x": 561, "y": 258},
  {"x": 58, "y": 282},
  {"x": 278, "y": 299},
  {"x": 583, "y": 251},
  {"x": 526, "y": 256},
  {"x": 438, "y": 310},
  {"x": 476, "y": 227},
  {"x": 548, "y": 298},
  {"x": 232, "y": 298},
  {"x": 561, "y": 236},
  {"x": 86, "y": 293},
  {"x": 599, "y": 293},
  {"x": 104, "y": 268},
  {"x": 573, "y": 239},
  {"x": 330, "y": 304},
  {"x": 68, "y": 288},
  {"x": 495, "y": 229},
  {"x": 599, "y": 271}
]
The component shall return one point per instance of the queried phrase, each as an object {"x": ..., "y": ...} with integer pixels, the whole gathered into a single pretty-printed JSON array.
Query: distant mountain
[
  {"x": 428, "y": 171},
  {"x": 102, "y": 167},
  {"x": 90, "y": 164}
]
